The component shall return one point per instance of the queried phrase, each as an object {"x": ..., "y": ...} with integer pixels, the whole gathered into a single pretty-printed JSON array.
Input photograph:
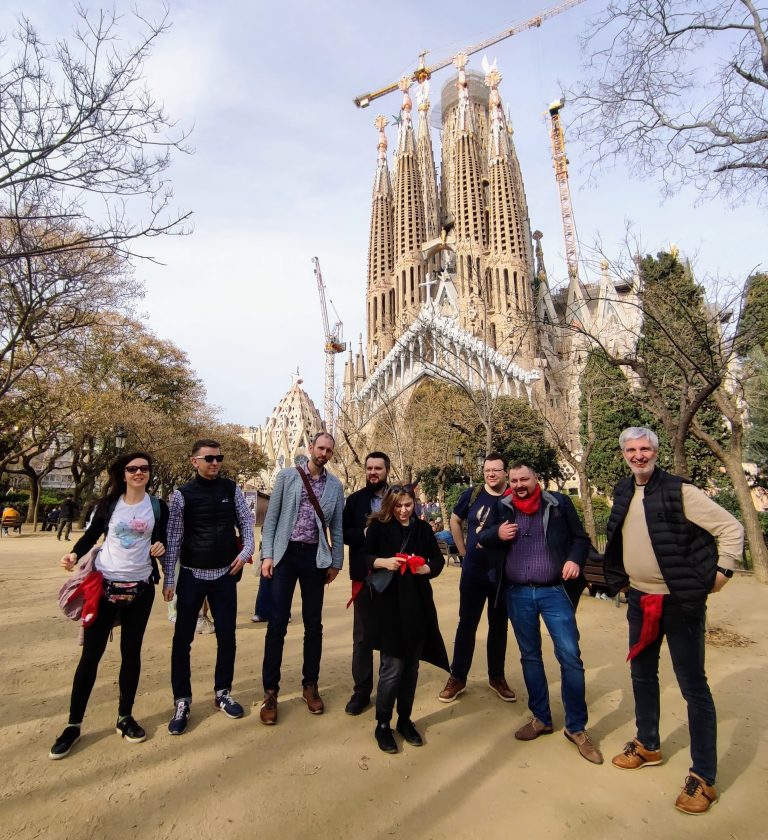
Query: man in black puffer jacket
[{"x": 672, "y": 545}]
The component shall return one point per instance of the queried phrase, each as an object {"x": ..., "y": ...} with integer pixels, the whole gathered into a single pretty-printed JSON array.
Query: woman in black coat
[{"x": 403, "y": 620}]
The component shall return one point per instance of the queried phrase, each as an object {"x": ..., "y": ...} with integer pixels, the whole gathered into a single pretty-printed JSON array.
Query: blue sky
[{"x": 284, "y": 163}]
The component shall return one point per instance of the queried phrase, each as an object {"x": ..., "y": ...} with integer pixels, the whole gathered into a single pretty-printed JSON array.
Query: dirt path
[{"x": 323, "y": 776}]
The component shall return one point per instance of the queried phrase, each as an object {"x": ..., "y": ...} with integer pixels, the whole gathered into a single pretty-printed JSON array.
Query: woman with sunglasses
[
  {"x": 403, "y": 623},
  {"x": 134, "y": 526}
]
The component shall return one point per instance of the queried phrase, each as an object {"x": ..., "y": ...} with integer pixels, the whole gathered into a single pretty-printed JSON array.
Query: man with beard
[
  {"x": 357, "y": 509},
  {"x": 673, "y": 546},
  {"x": 296, "y": 546},
  {"x": 546, "y": 549},
  {"x": 479, "y": 586}
]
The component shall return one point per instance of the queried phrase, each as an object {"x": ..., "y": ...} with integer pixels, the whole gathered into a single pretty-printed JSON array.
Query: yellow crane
[
  {"x": 560, "y": 162},
  {"x": 422, "y": 72},
  {"x": 332, "y": 344}
]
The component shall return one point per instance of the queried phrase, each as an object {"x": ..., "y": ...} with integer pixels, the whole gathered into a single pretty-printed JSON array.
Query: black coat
[
  {"x": 354, "y": 520},
  {"x": 403, "y": 617}
]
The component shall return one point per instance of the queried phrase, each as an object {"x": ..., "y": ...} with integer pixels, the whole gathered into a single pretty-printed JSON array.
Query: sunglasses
[
  {"x": 400, "y": 488},
  {"x": 142, "y": 468},
  {"x": 209, "y": 459}
]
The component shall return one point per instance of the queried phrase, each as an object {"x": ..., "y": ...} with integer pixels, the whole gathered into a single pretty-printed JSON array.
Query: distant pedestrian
[
  {"x": 134, "y": 528},
  {"x": 67, "y": 513}
]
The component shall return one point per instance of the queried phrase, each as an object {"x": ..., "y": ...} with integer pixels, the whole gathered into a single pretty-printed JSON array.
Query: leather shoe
[
  {"x": 696, "y": 797},
  {"x": 635, "y": 755},
  {"x": 453, "y": 688},
  {"x": 586, "y": 748},
  {"x": 501, "y": 688},
  {"x": 409, "y": 732},
  {"x": 532, "y": 730},
  {"x": 313, "y": 699},
  {"x": 268, "y": 711},
  {"x": 357, "y": 704},
  {"x": 385, "y": 738}
]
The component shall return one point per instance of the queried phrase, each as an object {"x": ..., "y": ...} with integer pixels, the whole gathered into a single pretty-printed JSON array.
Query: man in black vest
[
  {"x": 358, "y": 507},
  {"x": 672, "y": 545},
  {"x": 203, "y": 516}
]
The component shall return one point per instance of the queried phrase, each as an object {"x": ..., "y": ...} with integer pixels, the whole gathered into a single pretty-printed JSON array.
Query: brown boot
[
  {"x": 696, "y": 797},
  {"x": 313, "y": 699},
  {"x": 453, "y": 688},
  {"x": 268, "y": 711},
  {"x": 501, "y": 688},
  {"x": 635, "y": 755}
]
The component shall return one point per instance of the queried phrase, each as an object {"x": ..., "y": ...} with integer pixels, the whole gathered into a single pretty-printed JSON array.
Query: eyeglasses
[
  {"x": 142, "y": 468},
  {"x": 209, "y": 459}
]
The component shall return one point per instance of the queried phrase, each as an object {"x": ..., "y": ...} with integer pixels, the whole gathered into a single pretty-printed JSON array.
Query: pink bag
[{"x": 73, "y": 607}]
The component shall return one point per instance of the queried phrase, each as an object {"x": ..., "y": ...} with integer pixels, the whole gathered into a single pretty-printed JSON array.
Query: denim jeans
[
  {"x": 526, "y": 605},
  {"x": 297, "y": 565},
  {"x": 222, "y": 598},
  {"x": 685, "y": 639},
  {"x": 473, "y": 596}
]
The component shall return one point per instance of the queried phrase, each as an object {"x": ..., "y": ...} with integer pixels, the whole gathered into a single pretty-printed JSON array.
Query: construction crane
[
  {"x": 332, "y": 345},
  {"x": 560, "y": 162},
  {"x": 422, "y": 72}
]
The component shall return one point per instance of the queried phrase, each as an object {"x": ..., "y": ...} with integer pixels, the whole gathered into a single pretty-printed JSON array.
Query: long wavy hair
[
  {"x": 116, "y": 485},
  {"x": 393, "y": 495}
]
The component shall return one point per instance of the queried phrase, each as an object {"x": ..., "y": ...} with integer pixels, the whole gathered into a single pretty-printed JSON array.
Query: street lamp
[
  {"x": 458, "y": 458},
  {"x": 480, "y": 461},
  {"x": 120, "y": 438}
]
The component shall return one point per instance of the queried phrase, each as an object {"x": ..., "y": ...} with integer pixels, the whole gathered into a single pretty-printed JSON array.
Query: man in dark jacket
[
  {"x": 67, "y": 513},
  {"x": 204, "y": 513},
  {"x": 672, "y": 545},
  {"x": 547, "y": 548},
  {"x": 358, "y": 507}
]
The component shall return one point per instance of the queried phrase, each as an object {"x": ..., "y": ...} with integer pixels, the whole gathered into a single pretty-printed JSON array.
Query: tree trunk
[
  {"x": 585, "y": 491},
  {"x": 444, "y": 514},
  {"x": 754, "y": 533}
]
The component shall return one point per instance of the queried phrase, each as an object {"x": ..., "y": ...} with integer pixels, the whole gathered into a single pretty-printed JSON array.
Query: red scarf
[
  {"x": 530, "y": 504},
  {"x": 652, "y": 607},
  {"x": 412, "y": 562}
]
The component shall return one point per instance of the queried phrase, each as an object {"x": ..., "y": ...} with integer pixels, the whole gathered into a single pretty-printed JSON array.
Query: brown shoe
[
  {"x": 696, "y": 797},
  {"x": 503, "y": 690},
  {"x": 635, "y": 755},
  {"x": 532, "y": 730},
  {"x": 268, "y": 711},
  {"x": 313, "y": 699},
  {"x": 587, "y": 749},
  {"x": 453, "y": 688}
]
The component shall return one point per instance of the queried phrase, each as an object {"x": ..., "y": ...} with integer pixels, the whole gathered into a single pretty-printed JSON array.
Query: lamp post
[
  {"x": 480, "y": 461},
  {"x": 120, "y": 438}
]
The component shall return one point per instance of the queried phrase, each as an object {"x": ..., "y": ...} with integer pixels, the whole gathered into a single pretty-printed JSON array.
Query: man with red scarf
[{"x": 546, "y": 548}]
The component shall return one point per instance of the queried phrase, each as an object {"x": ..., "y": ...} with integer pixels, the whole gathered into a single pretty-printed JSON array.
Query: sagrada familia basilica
[{"x": 456, "y": 285}]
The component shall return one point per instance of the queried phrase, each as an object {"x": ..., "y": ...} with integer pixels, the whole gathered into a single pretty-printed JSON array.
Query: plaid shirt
[{"x": 244, "y": 519}]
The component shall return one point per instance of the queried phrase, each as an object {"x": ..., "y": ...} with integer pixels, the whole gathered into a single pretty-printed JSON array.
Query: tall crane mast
[
  {"x": 422, "y": 72},
  {"x": 332, "y": 345},
  {"x": 560, "y": 162}
]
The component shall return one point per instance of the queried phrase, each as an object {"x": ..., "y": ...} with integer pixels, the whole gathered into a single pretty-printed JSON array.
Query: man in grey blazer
[{"x": 295, "y": 548}]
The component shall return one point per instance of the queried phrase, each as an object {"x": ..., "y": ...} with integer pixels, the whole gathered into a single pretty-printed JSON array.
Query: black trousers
[
  {"x": 297, "y": 565},
  {"x": 222, "y": 598},
  {"x": 397, "y": 684},
  {"x": 362, "y": 652},
  {"x": 473, "y": 597},
  {"x": 133, "y": 623}
]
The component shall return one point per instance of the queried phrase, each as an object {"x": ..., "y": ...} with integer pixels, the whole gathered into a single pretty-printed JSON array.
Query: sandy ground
[{"x": 323, "y": 776}]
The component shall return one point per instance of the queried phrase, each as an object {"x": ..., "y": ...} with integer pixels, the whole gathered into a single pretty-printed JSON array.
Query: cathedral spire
[
  {"x": 427, "y": 169},
  {"x": 380, "y": 251}
]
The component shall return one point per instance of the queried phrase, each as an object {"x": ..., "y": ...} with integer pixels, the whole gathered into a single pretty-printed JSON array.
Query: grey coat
[{"x": 283, "y": 510}]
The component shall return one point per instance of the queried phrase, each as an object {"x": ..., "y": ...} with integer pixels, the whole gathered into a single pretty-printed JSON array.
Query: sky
[{"x": 283, "y": 164}]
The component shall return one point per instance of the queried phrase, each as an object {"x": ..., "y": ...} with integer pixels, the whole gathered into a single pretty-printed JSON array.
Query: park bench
[
  {"x": 452, "y": 557},
  {"x": 594, "y": 572}
]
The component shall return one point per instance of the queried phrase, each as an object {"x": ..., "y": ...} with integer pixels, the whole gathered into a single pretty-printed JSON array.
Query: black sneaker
[
  {"x": 178, "y": 722},
  {"x": 64, "y": 743},
  {"x": 385, "y": 738},
  {"x": 409, "y": 732},
  {"x": 228, "y": 705},
  {"x": 357, "y": 704},
  {"x": 130, "y": 730}
]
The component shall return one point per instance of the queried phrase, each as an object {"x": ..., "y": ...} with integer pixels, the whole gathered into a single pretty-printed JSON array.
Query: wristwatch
[{"x": 727, "y": 572}]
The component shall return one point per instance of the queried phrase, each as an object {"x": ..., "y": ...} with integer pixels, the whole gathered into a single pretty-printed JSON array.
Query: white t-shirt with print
[{"x": 125, "y": 553}]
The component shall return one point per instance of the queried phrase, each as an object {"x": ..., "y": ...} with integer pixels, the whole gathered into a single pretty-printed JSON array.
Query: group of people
[{"x": 669, "y": 546}]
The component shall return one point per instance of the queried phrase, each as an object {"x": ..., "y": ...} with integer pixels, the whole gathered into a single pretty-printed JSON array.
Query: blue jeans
[
  {"x": 526, "y": 605},
  {"x": 685, "y": 639},
  {"x": 297, "y": 565},
  {"x": 222, "y": 598}
]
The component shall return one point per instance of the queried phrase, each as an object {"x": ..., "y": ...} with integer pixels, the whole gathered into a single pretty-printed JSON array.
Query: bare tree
[{"x": 679, "y": 89}]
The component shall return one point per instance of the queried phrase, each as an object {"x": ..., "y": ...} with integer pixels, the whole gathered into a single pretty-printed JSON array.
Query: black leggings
[{"x": 133, "y": 622}]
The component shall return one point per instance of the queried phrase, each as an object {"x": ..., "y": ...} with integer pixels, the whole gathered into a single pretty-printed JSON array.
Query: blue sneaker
[
  {"x": 178, "y": 722},
  {"x": 228, "y": 705}
]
